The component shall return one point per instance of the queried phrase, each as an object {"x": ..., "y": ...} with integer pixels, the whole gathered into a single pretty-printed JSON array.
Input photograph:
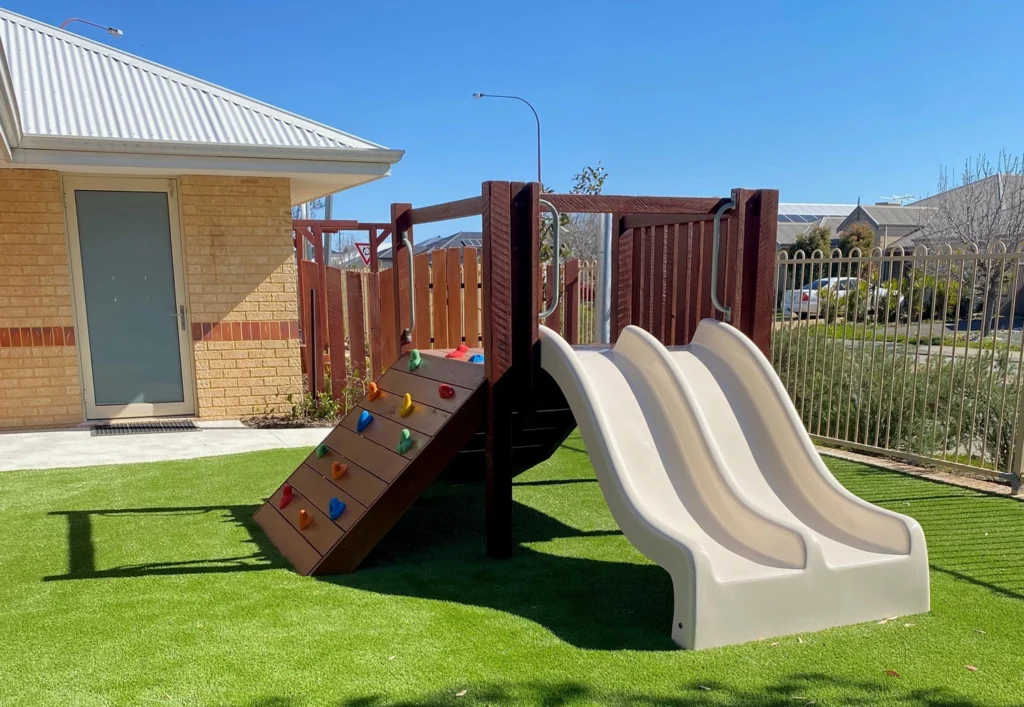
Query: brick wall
[
  {"x": 242, "y": 293},
  {"x": 39, "y": 381}
]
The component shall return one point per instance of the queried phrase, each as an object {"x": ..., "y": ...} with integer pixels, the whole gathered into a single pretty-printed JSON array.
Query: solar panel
[{"x": 472, "y": 242}]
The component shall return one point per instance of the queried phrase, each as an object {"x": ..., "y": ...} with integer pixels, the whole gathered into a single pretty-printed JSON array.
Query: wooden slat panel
[
  {"x": 356, "y": 321},
  {"x": 439, "y": 293},
  {"x": 425, "y": 389},
  {"x": 336, "y": 334},
  {"x": 609, "y": 204},
  {"x": 453, "y": 268},
  {"x": 383, "y": 463},
  {"x": 289, "y": 541},
  {"x": 622, "y": 278},
  {"x": 705, "y": 268},
  {"x": 446, "y": 370},
  {"x": 682, "y": 283},
  {"x": 322, "y": 533},
  {"x": 636, "y": 296},
  {"x": 319, "y": 491},
  {"x": 693, "y": 306},
  {"x": 658, "y": 285},
  {"x": 374, "y": 334},
  {"x": 313, "y": 330},
  {"x": 386, "y": 433},
  {"x": 388, "y": 345},
  {"x": 471, "y": 295},
  {"x": 357, "y": 481},
  {"x": 571, "y": 295},
  {"x": 421, "y": 336},
  {"x": 671, "y": 275},
  {"x": 423, "y": 418},
  {"x": 648, "y": 292}
]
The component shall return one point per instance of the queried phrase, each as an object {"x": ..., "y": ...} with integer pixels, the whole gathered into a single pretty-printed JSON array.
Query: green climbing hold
[
  {"x": 404, "y": 442},
  {"x": 321, "y": 451},
  {"x": 414, "y": 360}
]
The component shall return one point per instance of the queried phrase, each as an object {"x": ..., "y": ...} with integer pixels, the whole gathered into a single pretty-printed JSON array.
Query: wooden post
[
  {"x": 497, "y": 333},
  {"x": 336, "y": 334},
  {"x": 400, "y": 226},
  {"x": 756, "y": 218}
]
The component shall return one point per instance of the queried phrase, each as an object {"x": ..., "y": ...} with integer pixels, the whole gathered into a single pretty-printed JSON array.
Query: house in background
[
  {"x": 462, "y": 239},
  {"x": 146, "y": 258},
  {"x": 890, "y": 222},
  {"x": 796, "y": 219}
]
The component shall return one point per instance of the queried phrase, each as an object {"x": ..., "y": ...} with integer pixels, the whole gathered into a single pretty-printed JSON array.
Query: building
[
  {"x": 462, "y": 239},
  {"x": 146, "y": 258},
  {"x": 891, "y": 223},
  {"x": 797, "y": 219}
]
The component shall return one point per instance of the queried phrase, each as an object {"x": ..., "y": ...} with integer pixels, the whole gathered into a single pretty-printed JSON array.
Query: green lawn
[{"x": 148, "y": 584}]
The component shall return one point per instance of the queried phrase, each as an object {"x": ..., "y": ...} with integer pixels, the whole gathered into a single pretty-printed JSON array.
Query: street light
[
  {"x": 536, "y": 117},
  {"x": 112, "y": 31}
]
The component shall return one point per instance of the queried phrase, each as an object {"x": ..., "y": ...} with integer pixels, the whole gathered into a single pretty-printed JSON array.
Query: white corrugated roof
[{"x": 67, "y": 86}]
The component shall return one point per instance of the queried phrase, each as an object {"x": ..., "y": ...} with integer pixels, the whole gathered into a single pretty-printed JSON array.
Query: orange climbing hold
[
  {"x": 304, "y": 519},
  {"x": 338, "y": 470},
  {"x": 374, "y": 391},
  {"x": 458, "y": 352}
]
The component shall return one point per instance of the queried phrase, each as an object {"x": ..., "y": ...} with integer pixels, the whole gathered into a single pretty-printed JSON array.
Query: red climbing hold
[
  {"x": 286, "y": 496},
  {"x": 446, "y": 391},
  {"x": 458, "y": 352}
]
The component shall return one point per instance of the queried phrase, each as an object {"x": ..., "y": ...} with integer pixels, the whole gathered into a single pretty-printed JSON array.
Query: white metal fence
[{"x": 918, "y": 355}]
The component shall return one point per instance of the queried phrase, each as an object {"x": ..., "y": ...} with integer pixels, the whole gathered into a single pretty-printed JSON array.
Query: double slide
[{"x": 710, "y": 473}]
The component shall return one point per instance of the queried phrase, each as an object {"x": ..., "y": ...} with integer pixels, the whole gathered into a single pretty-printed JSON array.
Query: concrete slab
[{"x": 48, "y": 449}]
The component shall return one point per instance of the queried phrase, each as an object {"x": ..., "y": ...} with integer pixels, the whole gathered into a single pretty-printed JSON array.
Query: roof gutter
[{"x": 203, "y": 149}]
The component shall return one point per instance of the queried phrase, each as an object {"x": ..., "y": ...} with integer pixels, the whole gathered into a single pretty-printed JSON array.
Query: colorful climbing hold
[
  {"x": 286, "y": 496},
  {"x": 414, "y": 359},
  {"x": 335, "y": 508},
  {"x": 321, "y": 451},
  {"x": 304, "y": 519},
  {"x": 446, "y": 391},
  {"x": 404, "y": 441},
  {"x": 364, "y": 421},
  {"x": 407, "y": 405},
  {"x": 458, "y": 352},
  {"x": 373, "y": 391},
  {"x": 338, "y": 470},
  {"x": 476, "y": 358}
]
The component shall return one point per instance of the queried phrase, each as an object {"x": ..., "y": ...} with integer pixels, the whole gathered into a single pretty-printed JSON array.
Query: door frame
[{"x": 69, "y": 183}]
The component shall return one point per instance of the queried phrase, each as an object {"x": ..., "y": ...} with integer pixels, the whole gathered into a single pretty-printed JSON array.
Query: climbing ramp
[{"x": 354, "y": 486}]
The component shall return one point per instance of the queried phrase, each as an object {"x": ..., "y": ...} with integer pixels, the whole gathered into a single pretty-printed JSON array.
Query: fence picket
[
  {"x": 471, "y": 296},
  {"x": 452, "y": 257},
  {"x": 356, "y": 323}
]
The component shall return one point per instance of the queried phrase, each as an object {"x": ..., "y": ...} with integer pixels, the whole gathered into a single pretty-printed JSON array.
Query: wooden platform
[{"x": 380, "y": 483}]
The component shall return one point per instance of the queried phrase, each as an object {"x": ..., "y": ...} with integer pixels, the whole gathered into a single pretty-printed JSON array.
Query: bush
[{"x": 851, "y": 305}]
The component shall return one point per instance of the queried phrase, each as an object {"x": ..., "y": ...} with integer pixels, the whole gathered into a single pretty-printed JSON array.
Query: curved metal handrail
[
  {"x": 727, "y": 311},
  {"x": 556, "y": 261},
  {"x": 407, "y": 333}
]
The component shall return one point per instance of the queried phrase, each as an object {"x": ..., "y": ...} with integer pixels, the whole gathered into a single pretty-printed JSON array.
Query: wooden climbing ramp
[{"x": 338, "y": 504}]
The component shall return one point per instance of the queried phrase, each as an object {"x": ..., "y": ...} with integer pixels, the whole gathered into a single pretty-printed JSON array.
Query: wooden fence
[{"x": 355, "y": 326}]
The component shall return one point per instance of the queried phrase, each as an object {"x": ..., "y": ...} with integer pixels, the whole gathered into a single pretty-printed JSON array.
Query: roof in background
[
  {"x": 62, "y": 93},
  {"x": 806, "y": 213},
  {"x": 788, "y": 232},
  {"x": 898, "y": 215},
  {"x": 462, "y": 239}
]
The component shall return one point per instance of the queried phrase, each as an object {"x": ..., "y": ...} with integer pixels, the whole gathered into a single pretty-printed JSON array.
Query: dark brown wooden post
[
  {"x": 400, "y": 226},
  {"x": 622, "y": 277},
  {"x": 756, "y": 216}
]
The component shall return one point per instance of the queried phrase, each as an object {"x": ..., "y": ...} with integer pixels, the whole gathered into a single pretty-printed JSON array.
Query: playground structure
[{"x": 695, "y": 444}]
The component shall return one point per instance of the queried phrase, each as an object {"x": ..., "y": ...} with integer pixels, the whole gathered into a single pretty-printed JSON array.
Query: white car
[{"x": 805, "y": 301}]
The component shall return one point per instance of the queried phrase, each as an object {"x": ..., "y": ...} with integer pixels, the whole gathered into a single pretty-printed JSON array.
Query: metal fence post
[{"x": 1017, "y": 461}]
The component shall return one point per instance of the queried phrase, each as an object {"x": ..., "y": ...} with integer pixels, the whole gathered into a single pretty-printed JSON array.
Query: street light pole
[
  {"x": 535, "y": 116},
  {"x": 112, "y": 31}
]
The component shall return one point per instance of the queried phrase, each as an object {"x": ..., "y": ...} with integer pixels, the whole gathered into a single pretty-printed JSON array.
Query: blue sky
[{"x": 824, "y": 101}]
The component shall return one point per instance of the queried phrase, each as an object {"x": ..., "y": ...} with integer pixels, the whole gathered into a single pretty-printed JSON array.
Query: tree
[
  {"x": 986, "y": 205},
  {"x": 815, "y": 238},
  {"x": 580, "y": 234},
  {"x": 859, "y": 235}
]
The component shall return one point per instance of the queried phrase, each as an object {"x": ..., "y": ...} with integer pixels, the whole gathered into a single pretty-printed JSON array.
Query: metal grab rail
[
  {"x": 556, "y": 262},
  {"x": 727, "y": 311},
  {"x": 407, "y": 333}
]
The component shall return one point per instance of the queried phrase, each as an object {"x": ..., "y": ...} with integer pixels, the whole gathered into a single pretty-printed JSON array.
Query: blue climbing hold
[
  {"x": 476, "y": 358},
  {"x": 365, "y": 419},
  {"x": 335, "y": 508}
]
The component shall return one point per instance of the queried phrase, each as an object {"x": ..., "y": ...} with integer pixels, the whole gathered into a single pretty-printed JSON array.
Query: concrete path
[{"x": 49, "y": 449}]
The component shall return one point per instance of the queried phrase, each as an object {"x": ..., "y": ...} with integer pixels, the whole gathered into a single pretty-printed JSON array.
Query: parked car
[{"x": 806, "y": 301}]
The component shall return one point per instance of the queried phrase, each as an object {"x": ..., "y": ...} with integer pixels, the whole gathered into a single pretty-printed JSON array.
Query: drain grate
[{"x": 141, "y": 428}]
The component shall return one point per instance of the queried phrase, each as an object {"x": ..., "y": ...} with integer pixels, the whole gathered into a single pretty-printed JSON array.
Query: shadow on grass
[
  {"x": 796, "y": 689},
  {"x": 82, "y": 553},
  {"x": 436, "y": 551}
]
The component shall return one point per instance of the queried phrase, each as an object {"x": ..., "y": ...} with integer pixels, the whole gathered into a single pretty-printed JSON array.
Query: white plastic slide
[{"x": 709, "y": 472}]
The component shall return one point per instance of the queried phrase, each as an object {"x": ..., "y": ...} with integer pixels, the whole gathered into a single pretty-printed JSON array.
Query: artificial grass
[{"x": 149, "y": 584}]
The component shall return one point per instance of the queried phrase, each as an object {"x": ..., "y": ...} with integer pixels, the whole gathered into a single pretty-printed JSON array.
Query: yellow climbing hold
[{"x": 407, "y": 405}]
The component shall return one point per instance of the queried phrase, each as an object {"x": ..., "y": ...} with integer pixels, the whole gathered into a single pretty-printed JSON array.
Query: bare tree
[
  {"x": 984, "y": 206},
  {"x": 580, "y": 233}
]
